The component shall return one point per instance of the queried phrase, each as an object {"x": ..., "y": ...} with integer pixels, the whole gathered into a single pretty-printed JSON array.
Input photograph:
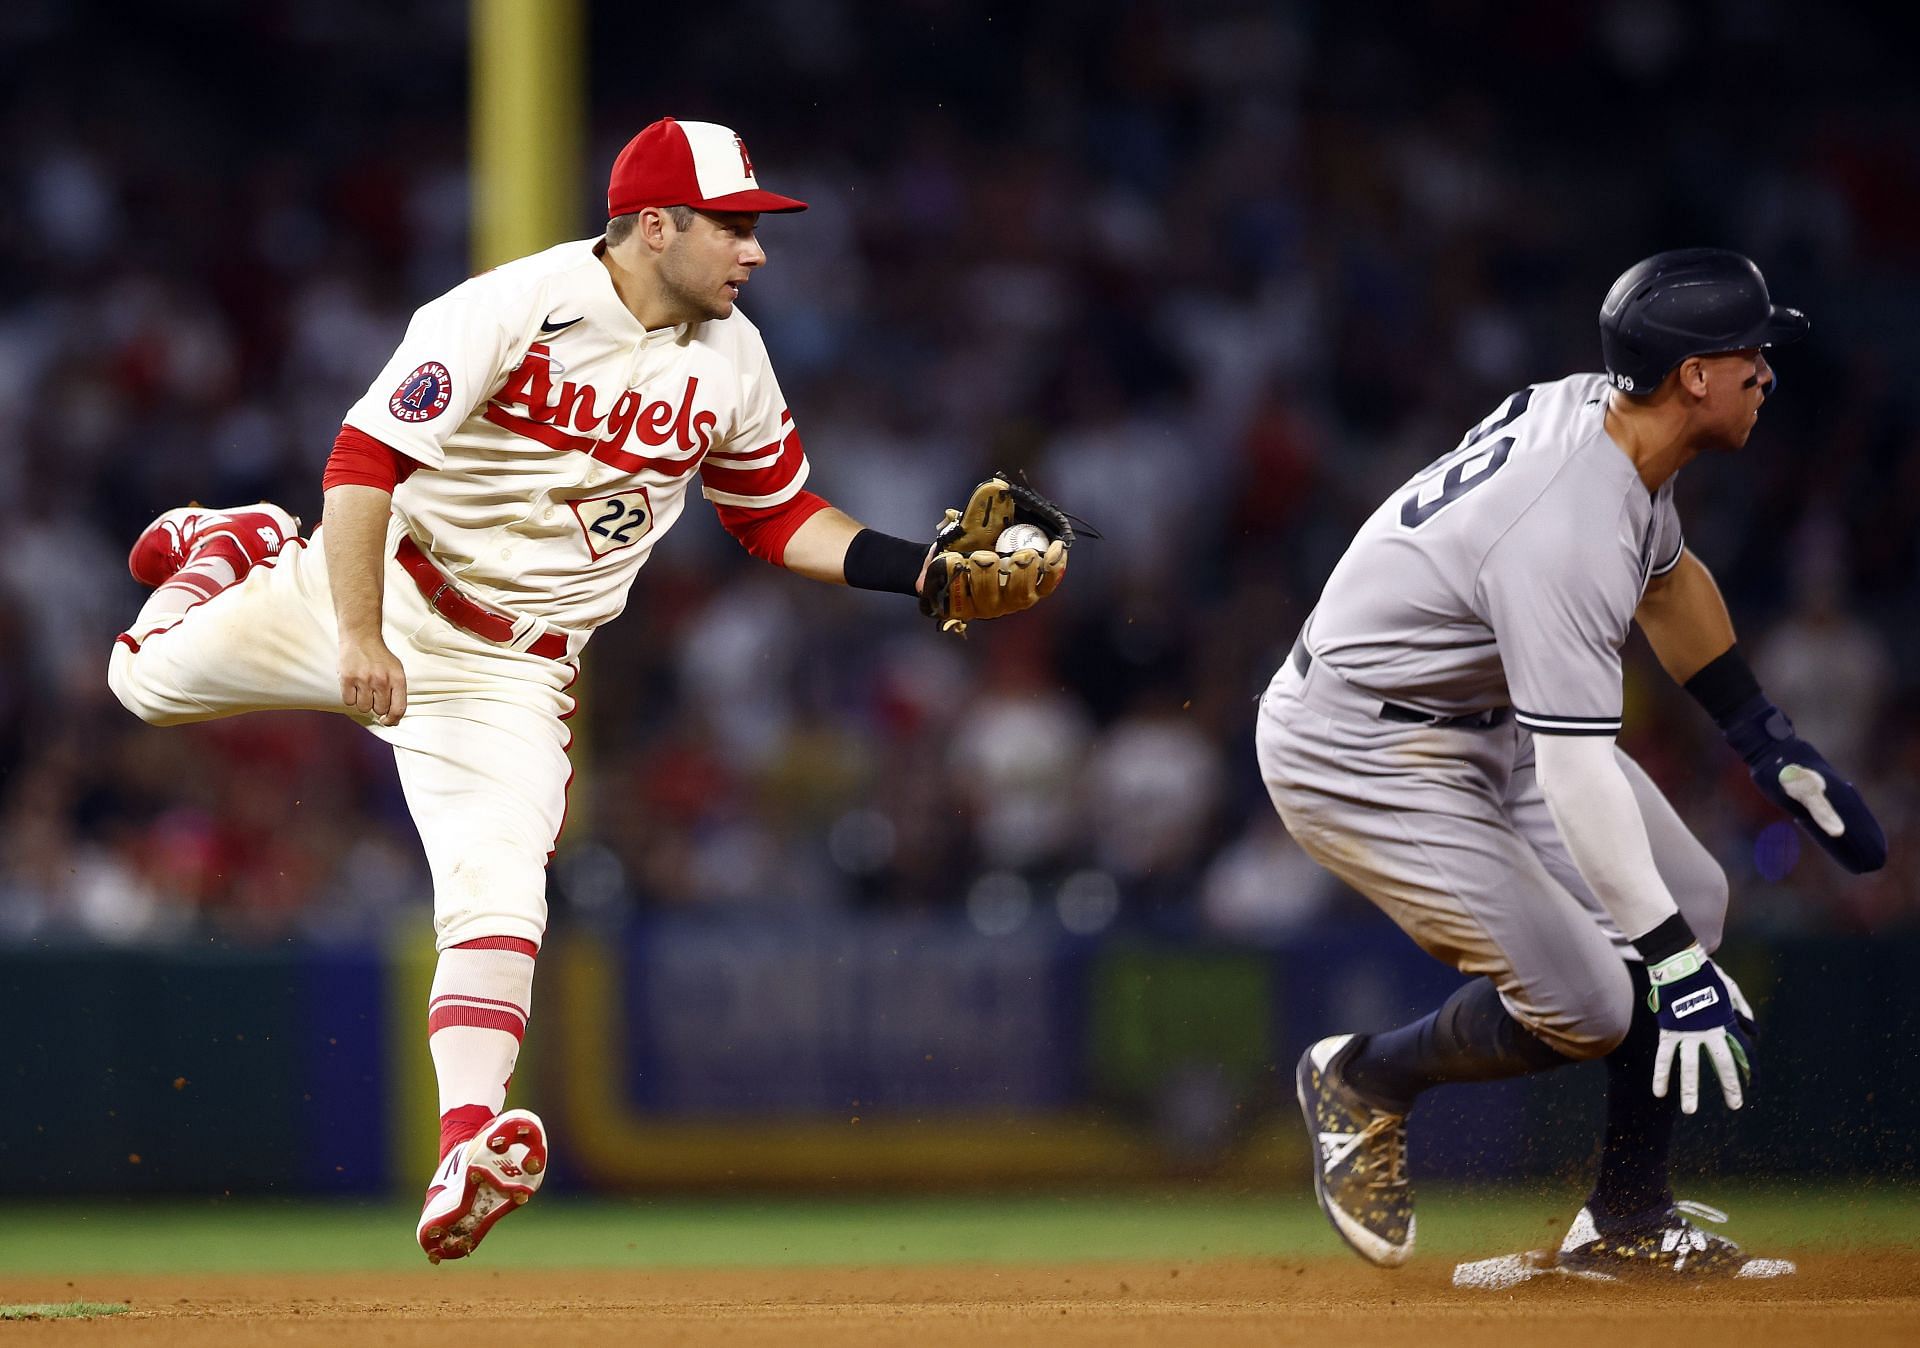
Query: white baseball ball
[{"x": 1018, "y": 536}]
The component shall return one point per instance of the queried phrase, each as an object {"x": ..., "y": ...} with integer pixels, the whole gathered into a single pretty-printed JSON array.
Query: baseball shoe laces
[{"x": 1360, "y": 1163}]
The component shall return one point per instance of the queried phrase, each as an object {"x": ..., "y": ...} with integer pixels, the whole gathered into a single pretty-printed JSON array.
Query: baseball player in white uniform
[
  {"x": 1442, "y": 738},
  {"x": 488, "y": 504}
]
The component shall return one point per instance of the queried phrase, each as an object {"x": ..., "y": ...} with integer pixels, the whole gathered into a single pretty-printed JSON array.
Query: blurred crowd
[{"x": 1218, "y": 277}]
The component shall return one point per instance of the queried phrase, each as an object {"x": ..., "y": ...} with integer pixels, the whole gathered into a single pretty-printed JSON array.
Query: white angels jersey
[
  {"x": 562, "y": 435},
  {"x": 1507, "y": 572}
]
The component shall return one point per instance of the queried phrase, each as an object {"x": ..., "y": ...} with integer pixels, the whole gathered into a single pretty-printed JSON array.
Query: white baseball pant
[{"x": 481, "y": 750}]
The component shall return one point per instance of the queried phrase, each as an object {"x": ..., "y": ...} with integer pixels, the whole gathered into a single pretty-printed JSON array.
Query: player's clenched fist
[{"x": 372, "y": 680}]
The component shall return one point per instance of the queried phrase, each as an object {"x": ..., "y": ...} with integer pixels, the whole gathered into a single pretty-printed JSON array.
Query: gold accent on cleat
[
  {"x": 496, "y": 1143},
  {"x": 534, "y": 1165},
  {"x": 519, "y": 1199},
  {"x": 436, "y": 1232}
]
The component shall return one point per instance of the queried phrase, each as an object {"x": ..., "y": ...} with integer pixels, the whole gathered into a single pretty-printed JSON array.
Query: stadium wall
[{"x": 908, "y": 1053}]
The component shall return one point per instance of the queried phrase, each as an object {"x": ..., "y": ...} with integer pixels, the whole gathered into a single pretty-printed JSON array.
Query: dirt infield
[{"x": 1861, "y": 1299}]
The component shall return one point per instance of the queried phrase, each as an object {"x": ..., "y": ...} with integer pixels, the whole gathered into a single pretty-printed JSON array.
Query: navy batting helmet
[{"x": 1688, "y": 302}]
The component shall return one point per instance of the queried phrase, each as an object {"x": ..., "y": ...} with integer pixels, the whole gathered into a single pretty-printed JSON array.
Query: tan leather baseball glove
[{"x": 967, "y": 578}]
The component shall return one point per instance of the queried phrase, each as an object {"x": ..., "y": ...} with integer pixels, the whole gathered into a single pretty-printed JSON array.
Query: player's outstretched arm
[
  {"x": 1005, "y": 552},
  {"x": 372, "y": 680},
  {"x": 1687, "y": 625},
  {"x": 818, "y": 548}
]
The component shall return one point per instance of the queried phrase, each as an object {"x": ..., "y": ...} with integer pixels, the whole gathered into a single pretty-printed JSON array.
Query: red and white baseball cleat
[
  {"x": 164, "y": 546},
  {"x": 483, "y": 1179}
]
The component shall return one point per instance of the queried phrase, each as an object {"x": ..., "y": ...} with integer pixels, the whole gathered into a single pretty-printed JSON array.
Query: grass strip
[
  {"x": 61, "y": 1310},
  {"x": 566, "y": 1231}
]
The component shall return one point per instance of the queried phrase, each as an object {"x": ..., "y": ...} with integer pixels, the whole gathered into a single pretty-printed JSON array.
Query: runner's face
[
  {"x": 705, "y": 265},
  {"x": 1737, "y": 385}
]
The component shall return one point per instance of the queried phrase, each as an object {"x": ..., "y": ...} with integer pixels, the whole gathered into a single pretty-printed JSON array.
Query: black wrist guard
[
  {"x": 877, "y": 561},
  {"x": 1724, "y": 686},
  {"x": 1665, "y": 941}
]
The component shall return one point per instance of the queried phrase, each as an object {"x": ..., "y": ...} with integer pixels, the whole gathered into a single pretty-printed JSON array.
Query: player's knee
[
  {"x": 491, "y": 890},
  {"x": 1592, "y": 1036},
  {"x": 1592, "y": 1023},
  {"x": 123, "y": 677},
  {"x": 457, "y": 928},
  {"x": 1585, "y": 1041},
  {"x": 1607, "y": 1021}
]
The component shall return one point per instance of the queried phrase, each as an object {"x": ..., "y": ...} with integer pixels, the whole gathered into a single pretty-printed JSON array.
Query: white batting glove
[{"x": 1697, "y": 1013}]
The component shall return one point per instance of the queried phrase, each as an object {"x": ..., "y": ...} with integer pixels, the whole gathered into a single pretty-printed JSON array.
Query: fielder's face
[
  {"x": 704, "y": 266},
  {"x": 1736, "y": 385}
]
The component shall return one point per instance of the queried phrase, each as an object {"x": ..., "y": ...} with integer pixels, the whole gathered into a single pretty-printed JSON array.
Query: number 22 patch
[{"x": 614, "y": 522}]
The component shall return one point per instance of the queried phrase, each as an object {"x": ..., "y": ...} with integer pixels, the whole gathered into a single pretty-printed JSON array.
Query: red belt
[{"x": 463, "y": 612}]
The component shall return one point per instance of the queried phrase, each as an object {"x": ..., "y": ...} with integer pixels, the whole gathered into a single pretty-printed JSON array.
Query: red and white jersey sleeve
[
  {"x": 759, "y": 462},
  {"x": 456, "y": 351}
]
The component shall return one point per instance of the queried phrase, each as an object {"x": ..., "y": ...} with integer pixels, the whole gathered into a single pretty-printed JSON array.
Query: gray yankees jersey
[{"x": 1507, "y": 572}]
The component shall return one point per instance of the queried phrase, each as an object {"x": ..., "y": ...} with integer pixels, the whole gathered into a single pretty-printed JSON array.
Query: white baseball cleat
[
  {"x": 489, "y": 1175},
  {"x": 164, "y": 546}
]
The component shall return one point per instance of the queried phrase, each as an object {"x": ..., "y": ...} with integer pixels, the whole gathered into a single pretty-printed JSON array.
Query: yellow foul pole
[{"x": 529, "y": 115}]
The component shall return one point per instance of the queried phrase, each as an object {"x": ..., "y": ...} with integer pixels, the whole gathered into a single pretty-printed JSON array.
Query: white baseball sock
[{"x": 476, "y": 1018}]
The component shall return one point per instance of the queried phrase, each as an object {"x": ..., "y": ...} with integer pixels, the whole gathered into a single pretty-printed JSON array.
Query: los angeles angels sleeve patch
[{"x": 422, "y": 395}]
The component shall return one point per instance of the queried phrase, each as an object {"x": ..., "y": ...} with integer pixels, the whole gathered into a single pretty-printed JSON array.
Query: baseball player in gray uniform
[{"x": 1442, "y": 739}]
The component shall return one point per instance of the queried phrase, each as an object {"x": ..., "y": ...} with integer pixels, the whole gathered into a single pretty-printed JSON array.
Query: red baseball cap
[{"x": 698, "y": 164}]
